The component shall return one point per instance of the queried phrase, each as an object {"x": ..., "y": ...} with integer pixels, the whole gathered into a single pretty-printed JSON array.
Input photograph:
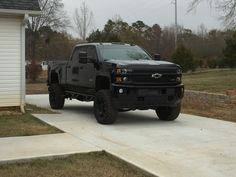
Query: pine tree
[
  {"x": 184, "y": 58},
  {"x": 230, "y": 51}
]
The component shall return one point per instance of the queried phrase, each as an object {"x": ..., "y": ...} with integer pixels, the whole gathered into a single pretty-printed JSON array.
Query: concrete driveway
[{"x": 191, "y": 146}]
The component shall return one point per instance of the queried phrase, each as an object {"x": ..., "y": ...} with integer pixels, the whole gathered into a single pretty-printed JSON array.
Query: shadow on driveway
[{"x": 132, "y": 117}]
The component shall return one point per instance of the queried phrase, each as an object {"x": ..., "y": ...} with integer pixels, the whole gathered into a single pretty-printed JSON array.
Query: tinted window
[
  {"x": 123, "y": 52},
  {"x": 77, "y": 51},
  {"x": 82, "y": 50},
  {"x": 92, "y": 54}
]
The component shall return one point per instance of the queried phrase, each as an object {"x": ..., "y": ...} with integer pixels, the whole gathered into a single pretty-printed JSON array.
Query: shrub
[
  {"x": 230, "y": 51},
  {"x": 212, "y": 63},
  {"x": 184, "y": 58}
]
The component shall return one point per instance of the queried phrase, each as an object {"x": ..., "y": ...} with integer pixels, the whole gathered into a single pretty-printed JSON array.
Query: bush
[
  {"x": 230, "y": 51},
  {"x": 184, "y": 58},
  {"x": 212, "y": 63},
  {"x": 221, "y": 63}
]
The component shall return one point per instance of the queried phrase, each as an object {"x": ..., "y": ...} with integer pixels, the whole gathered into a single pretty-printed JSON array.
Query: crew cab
[{"x": 116, "y": 77}]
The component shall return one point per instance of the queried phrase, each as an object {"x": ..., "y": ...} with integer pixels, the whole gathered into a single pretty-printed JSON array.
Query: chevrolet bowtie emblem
[{"x": 156, "y": 76}]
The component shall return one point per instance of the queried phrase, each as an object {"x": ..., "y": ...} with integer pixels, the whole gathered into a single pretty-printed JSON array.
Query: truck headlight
[
  {"x": 121, "y": 79},
  {"x": 120, "y": 71}
]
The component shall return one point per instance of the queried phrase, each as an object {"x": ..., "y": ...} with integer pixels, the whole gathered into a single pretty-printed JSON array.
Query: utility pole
[{"x": 176, "y": 24}]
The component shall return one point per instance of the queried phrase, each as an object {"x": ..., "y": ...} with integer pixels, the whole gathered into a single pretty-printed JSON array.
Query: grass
[
  {"x": 98, "y": 164},
  {"x": 13, "y": 123},
  {"x": 213, "y": 81},
  {"x": 226, "y": 114}
]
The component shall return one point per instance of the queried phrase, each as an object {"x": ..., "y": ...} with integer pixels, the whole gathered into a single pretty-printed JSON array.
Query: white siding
[{"x": 10, "y": 62}]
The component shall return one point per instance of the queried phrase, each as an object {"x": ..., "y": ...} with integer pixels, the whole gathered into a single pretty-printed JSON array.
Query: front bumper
[{"x": 146, "y": 97}]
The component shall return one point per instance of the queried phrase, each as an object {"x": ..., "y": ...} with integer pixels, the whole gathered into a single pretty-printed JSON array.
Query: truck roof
[{"x": 103, "y": 43}]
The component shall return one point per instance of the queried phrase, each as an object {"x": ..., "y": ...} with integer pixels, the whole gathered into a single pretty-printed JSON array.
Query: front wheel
[
  {"x": 103, "y": 108},
  {"x": 56, "y": 96},
  {"x": 168, "y": 113}
]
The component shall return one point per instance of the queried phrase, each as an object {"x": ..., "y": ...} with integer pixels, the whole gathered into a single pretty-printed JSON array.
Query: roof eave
[{"x": 20, "y": 12}]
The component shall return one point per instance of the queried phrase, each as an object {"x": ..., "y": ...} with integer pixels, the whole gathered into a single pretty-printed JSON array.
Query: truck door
[
  {"x": 87, "y": 70},
  {"x": 73, "y": 73}
]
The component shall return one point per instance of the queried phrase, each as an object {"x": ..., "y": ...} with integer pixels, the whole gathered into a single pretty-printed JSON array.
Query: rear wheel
[
  {"x": 103, "y": 108},
  {"x": 168, "y": 113},
  {"x": 56, "y": 96}
]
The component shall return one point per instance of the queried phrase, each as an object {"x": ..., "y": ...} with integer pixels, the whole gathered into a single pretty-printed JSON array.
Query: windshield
[{"x": 123, "y": 52}]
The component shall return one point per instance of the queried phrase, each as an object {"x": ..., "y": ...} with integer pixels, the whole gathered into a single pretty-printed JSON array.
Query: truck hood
[{"x": 144, "y": 64}]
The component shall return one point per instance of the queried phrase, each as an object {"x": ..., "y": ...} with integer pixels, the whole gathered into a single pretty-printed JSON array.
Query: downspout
[{"x": 22, "y": 104}]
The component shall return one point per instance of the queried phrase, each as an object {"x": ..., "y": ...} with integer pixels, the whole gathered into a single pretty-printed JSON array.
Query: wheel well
[
  {"x": 54, "y": 78},
  {"x": 102, "y": 83}
]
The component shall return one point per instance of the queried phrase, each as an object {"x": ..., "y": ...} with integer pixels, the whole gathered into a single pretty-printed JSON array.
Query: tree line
[
  {"x": 206, "y": 47},
  {"x": 47, "y": 39}
]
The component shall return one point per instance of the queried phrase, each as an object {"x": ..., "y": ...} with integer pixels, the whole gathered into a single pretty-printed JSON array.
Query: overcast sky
[{"x": 149, "y": 11}]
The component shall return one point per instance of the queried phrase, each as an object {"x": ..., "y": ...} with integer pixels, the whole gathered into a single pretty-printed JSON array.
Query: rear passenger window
[
  {"x": 82, "y": 50},
  {"x": 75, "y": 56},
  {"x": 92, "y": 54}
]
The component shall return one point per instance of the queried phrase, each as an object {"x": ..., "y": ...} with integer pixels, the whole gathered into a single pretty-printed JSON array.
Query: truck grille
[{"x": 167, "y": 78}]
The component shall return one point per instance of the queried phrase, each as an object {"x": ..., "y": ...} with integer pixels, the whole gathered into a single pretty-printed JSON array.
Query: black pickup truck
[{"x": 117, "y": 77}]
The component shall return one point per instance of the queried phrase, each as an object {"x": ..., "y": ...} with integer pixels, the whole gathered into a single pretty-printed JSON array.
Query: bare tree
[
  {"x": 202, "y": 31},
  {"x": 53, "y": 16},
  {"x": 83, "y": 20},
  {"x": 227, "y": 7}
]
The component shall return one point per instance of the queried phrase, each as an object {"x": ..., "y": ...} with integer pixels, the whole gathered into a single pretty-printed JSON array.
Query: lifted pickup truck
[{"x": 117, "y": 77}]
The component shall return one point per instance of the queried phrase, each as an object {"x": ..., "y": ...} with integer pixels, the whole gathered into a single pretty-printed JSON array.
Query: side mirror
[
  {"x": 157, "y": 57},
  {"x": 83, "y": 57}
]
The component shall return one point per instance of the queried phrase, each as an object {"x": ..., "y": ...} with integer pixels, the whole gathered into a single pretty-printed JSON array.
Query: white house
[{"x": 13, "y": 16}]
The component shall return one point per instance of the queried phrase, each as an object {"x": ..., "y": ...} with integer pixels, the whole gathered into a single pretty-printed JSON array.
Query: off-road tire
[
  {"x": 56, "y": 96},
  {"x": 103, "y": 108},
  {"x": 168, "y": 113}
]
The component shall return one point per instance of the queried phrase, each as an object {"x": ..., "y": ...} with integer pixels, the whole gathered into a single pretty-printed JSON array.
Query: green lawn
[
  {"x": 13, "y": 123},
  {"x": 99, "y": 164},
  {"x": 213, "y": 81}
]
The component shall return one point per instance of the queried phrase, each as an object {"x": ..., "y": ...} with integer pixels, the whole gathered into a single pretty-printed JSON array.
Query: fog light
[
  {"x": 121, "y": 91},
  {"x": 178, "y": 79}
]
